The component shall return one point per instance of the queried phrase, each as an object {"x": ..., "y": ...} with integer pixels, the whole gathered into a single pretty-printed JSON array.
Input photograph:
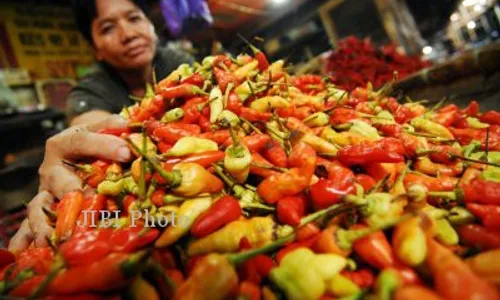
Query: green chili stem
[
  {"x": 172, "y": 178},
  {"x": 473, "y": 160},
  {"x": 250, "y": 125},
  {"x": 274, "y": 168}
]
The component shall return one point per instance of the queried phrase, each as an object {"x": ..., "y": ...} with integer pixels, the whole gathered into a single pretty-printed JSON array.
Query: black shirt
[{"x": 105, "y": 90}]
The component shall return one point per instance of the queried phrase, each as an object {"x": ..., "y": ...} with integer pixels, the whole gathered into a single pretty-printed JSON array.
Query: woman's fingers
[
  {"x": 22, "y": 239},
  {"x": 38, "y": 220},
  {"x": 90, "y": 144},
  {"x": 111, "y": 122},
  {"x": 59, "y": 180}
]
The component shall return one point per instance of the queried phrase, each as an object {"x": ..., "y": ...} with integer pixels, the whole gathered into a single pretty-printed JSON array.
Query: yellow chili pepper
[
  {"x": 430, "y": 127},
  {"x": 247, "y": 70},
  {"x": 189, "y": 211},
  {"x": 137, "y": 139},
  {"x": 342, "y": 286},
  {"x": 216, "y": 103},
  {"x": 190, "y": 145},
  {"x": 266, "y": 103},
  {"x": 237, "y": 159},
  {"x": 317, "y": 119}
]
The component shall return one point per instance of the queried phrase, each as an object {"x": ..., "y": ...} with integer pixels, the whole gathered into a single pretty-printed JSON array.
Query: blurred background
[{"x": 439, "y": 48}]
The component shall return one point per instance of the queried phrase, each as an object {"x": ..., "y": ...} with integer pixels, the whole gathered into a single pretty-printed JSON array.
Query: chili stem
[
  {"x": 250, "y": 125},
  {"x": 172, "y": 178},
  {"x": 274, "y": 168},
  {"x": 320, "y": 213},
  {"x": 473, "y": 160}
]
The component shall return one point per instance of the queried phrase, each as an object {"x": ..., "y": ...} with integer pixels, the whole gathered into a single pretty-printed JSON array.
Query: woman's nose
[{"x": 127, "y": 32}]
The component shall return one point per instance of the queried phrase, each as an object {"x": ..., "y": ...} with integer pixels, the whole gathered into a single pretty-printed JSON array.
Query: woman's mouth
[{"x": 135, "y": 51}]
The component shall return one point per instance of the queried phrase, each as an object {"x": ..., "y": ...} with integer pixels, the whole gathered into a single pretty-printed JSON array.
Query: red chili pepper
[
  {"x": 165, "y": 257},
  {"x": 253, "y": 115},
  {"x": 387, "y": 150},
  {"x": 6, "y": 257},
  {"x": 392, "y": 130},
  {"x": 479, "y": 236},
  {"x": 68, "y": 211},
  {"x": 366, "y": 181},
  {"x": 204, "y": 123},
  {"x": 234, "y": 103},
  {"x": 309, "y": 84},
  {"x": 172, "y": 132},
  {"x": 446, "y": 118},
  {"x": 91, "y": 246},
  {"x": 488, "y": 214},
  {"x": 221, "y": 59},
  {"x": 263, "y": 172},
  {"x": 374, "y": 249},
  {"x": 465, "y": 136},
  {"x": 291, "y": 209},
  {"x": 342, "y": 115},
  {"x": 482, "y": 191},
  {"x": 131, "y": 239},
  {"x": 490, "y": 117},
  {"x": 254, "y": 142},
  {"x": 472, "y": 109},
  {"x": 306, "y": 232},
  {"x": 157, "y": 198},
  {"x": 275, "y": 154},
  {"x": 191, "y": 112},
  {"x": 224, "y": 78},
  {"x": 302, "y": 162},
  {"x": 179, "y": 91},
  {"x": 164, "y": 147},
  {"x": 363, "y": 278},
  {"x": 442, "y": 154},
  {"x": 194, "y": 79},
  {"x": 409, "y": 275},
  {"x": 325, "y": 192},
  {"x": 127, "y": 201},
  {"x": 38, "y": 259},
  {"x": 90, "y": 212},
  {"x": 260, "y": 57},
  {"x": 155, "y": 109},
  {"x": 249, "y": 291},
  {"x": 220, "y": 136},
  {"x": 222, "y": 212}
]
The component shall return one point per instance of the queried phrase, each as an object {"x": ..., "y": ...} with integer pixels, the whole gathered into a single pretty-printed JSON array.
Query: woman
[{"x": 124, "y": 42}]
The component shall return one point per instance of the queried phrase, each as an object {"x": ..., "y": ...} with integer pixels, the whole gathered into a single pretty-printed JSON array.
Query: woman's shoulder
[
  {"x": 168, "y": 59},
  {"x": 95, "y": 91}
]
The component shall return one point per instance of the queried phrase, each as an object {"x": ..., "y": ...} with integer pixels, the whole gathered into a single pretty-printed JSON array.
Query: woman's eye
[
  {"x": 134, "y": 18},
  {"x": 106, "y": 29}
]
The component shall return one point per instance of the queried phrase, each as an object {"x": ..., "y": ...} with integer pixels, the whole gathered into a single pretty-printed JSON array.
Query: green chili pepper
[
  {"x": 111, "y": 188},
  {"x": 299, "y": 282},
  {"x": 173, "y": 115},
  {"x": 216, "y": 104},
  {"x": 445, "y": 233},
  {"x": 228, "y": 119},
  {"x": 237, "y": 159},
  {"x": 476, "y": 124},
  {"x": 430, "y": 127},
  {"x": 317, "y": 119},
  {"x": 364, "y": 129}
]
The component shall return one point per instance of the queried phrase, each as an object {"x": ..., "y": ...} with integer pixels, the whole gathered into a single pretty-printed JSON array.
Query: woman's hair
[{"x": 85, "y": 11}]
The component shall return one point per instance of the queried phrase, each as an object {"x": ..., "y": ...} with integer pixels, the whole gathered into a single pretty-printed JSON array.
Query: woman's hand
[
  {"x": 79, "y": 142},
  {"x": 56, "y": 179},
  {"x": 35, "y": 228}
]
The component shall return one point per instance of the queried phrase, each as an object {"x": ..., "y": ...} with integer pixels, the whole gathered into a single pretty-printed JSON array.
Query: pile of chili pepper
[
  {"x": 250, "y": 183},
  {"x": 356, "y": 62}
]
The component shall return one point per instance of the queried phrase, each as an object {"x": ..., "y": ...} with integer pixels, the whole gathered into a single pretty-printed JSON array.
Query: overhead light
[
  {"x": 454, "y": 17},
  {"x": 471, "y": 25},
  {"x": 427, "y": 50},
  {"x": 279, "y": 2},
  {"x": 468, "y": 3},
  {"x": 478, "y": 8}
]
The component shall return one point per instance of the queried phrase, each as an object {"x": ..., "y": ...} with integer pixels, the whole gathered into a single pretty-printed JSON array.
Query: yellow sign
[{"x": 44, "y": 40}]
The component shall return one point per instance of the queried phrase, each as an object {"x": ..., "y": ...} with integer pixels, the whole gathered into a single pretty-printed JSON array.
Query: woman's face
[{"x": 123, "y": 36}]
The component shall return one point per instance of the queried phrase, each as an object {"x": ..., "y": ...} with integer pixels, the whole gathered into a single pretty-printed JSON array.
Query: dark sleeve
[
  {"x": 81, "y": 100},
  {"x": 170, "y": 59}
]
